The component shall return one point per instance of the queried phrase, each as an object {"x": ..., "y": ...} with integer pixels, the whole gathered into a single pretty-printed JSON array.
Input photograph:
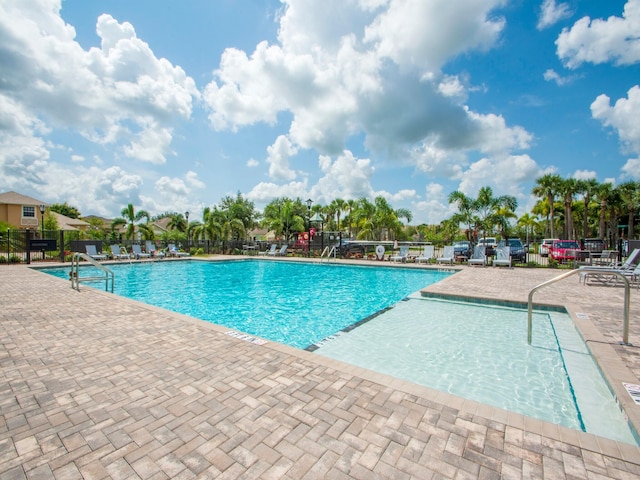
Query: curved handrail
[
  {"x": 625, "y": 327},
  {"x": 75, "y": 272}
]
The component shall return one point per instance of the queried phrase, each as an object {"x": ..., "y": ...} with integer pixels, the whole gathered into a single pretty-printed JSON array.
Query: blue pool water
[
  {"x": 474, "y": 351},
  {"x": 294, "y": 303}
]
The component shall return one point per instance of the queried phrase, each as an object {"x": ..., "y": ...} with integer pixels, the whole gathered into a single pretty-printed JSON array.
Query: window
[{"x": 28, "y": 211}]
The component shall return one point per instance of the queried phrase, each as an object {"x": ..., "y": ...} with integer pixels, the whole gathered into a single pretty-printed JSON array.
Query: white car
[{"x": 545, "y": 246}]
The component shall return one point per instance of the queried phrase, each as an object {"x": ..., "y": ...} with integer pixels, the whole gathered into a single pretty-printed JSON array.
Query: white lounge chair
[
  {"x": 151, "y": 248},
  {"x": 402, "y": 255},
  {"x": 271, "y": 251},
  {"x": 427, "y": 254},
  {"x": 602, "y": 274},
  {"x": 478, "y": 257},
  {"x": 93, "y": 253},
  {"x": 503, "y": 257},
  {"x": 280, "y": 253},
  {"x": 447, "y": 256},
  {"x": 118, "y": 253},
  {"x": 138, "y": 253},
  {"x": 174, "y": 252}
]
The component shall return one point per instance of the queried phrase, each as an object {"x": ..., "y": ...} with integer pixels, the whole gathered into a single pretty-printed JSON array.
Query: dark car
[
  {"x": 462, "y": 249},
  {"x": 593, "y": 245},
  {"x": 517, "y": 250},
  {"x": 349, "y": 248}
]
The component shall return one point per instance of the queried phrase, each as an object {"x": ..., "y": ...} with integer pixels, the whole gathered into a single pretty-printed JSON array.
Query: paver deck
[{"x": 96, "y": 386}]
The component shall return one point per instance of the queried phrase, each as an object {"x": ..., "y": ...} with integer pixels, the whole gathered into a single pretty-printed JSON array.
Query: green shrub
[
  {"x": 3, "y": 259},
  {"x": 14, "y": 259}
]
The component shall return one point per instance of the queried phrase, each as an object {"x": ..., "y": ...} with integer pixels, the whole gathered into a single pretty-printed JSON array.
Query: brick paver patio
[{"x": 97, "y": 386}]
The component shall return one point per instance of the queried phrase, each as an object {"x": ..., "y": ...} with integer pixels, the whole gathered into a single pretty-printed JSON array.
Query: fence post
[
  {"x": 27, "y": 235},
  {"x": 62, "y": 246}
]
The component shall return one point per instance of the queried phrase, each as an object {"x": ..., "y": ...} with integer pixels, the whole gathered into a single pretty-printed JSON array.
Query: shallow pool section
[
  {"x": 480, "y": 352},
  {"x": 289, "y": 302}
]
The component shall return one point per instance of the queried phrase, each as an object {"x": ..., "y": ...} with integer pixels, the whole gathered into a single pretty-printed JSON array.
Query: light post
[
  {"x": 186, "y": 215},
  {"x": 309, "y": 203},
  {"x": 42, "y": 207}
]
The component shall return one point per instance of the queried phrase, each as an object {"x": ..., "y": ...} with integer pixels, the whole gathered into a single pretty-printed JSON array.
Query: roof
[
  {"x": 66, "y": 223},
  {"x": 13, "y": 198}
]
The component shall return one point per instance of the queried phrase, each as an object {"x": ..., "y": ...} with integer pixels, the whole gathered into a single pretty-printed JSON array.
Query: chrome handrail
[
  {"x": 75, "y": 272},
  {"x": 328, "y": 252},
  {"x": 627, "y": 290}
]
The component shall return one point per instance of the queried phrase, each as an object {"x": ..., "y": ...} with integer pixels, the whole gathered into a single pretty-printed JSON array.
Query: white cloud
[
  {"x": 347, "y": 177},
  {"x": 616, "y": 39},
  {"x": 632, "y": 168},
  {"x": 252, "y": 163},
  {"x": 77, "y": 158},
  {"x": 278, "y": 159},
  {"x": 622, "y": 117},
  {"x": 584, "y": 174},
  {"x": 552, "y": 12},
  {"x": 551, "y": 75}
]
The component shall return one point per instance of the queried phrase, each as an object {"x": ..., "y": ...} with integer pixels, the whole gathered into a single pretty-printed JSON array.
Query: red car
[{"x": 562, "y": 250}]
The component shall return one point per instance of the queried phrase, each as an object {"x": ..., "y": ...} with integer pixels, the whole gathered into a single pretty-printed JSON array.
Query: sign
[
  {"x": 634, "y": 391},
  {"x": 42, "y": 244}
]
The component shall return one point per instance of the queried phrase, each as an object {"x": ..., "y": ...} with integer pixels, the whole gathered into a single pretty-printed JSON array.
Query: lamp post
[
  {"x": 309, "y": 203},
  {"x": 186, "y": 215},
  {"x": 42, "y": 207}
]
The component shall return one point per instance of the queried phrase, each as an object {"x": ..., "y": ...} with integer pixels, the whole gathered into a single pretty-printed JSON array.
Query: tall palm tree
[
  {"x": 466, "y": 211},
  {"x": 529, "y": 222},
  {"x": 586, "y": 188},
  {"x": 630, "y": 195},
  {"x": 568, "y": 188},
  {"x": 488, "y": 207},
  {"x": 603, "y": 193},
  {"x": 548, "y": 187},
  {"x": 339, "y": 206},
  {"x": 129, "y": 218}
]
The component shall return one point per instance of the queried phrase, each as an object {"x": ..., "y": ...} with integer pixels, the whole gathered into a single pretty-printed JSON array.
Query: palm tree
[
  {"x": 548, "y": 187},
  {"x": 586, "y": 188},
  {"x": 466, "y": 212},
  {"x": 129, "y": 218},
  {"x": 568, "y": 188},
  {"x": 529, "y": 222},
  {"x": 630, "y": 195},
  {"x": 488, "y": 207},
  {"x": 338, "y": 205},
  {"x": 603, "y": 193}
]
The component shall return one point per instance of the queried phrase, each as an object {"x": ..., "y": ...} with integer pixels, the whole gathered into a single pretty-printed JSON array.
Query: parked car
[
  {"x": 563, "y": 250},
  {"x": 489, "y": 244},
  {"x": 462, "y": 248},
  {"x": 593, "y": 245},
  {"x": 349, "y": 248},
  {"x": 545, "y": 246},
  {"x": 517, "y": 250}
]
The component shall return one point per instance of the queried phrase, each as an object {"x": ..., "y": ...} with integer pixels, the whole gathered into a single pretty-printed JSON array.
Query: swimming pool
[
  {"x": 294, "y": 303},
  {"x": 301, "y": 304}
]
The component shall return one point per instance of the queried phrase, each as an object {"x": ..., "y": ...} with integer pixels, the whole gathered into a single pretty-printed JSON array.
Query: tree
[
  {"x": 603, "y": 193},
  {"x": 529, "y": 222},
  {"x": 568, "y": 188},
  {"x": 129, "y": 218},
  {"x": 548, "y": 187},
  {"x": 586, "y": 188},
  {"x": 466, "y": 212},
  {"x": 489, "y": 208},
  {"x": 65, "y": 209},
  {"x": 285, "y": 217},
  {"x": 339, "y": 206},
  {"x": 630, "y": 195}
]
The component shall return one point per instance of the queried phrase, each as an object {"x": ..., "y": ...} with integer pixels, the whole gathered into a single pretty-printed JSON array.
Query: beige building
[{"x": 21, "y": 211}]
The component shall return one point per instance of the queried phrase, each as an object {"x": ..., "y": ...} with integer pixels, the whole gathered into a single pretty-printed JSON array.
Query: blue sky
[{"x": 172, "y": 106}]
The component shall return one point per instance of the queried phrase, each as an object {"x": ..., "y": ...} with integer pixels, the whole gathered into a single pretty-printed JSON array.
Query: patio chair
[
  {"x": 402, "y": 255},
  {"x": 271, "y": 251},
  {"x": 119, "y": 253},
  {"x": 174, "y": 252},
  {"x": 280, "y": 253},
  {"x": 447, "y": 256},
  {"x": 150, "y": 247},
  {"x": 503, "y": 257},
  {"x": 93, "y": 253},
  {"x": 138, "y": 253},
  {"x": 478, "y": 257},
  {"x": 427, "y": 254}
]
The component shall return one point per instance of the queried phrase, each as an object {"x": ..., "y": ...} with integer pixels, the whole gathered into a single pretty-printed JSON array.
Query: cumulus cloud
[
  {"x": 552, "y": 12},
  {"x": 616, "y": 39},
  {"x": 345, "y": 177},
  {"x": 101, "y": 91},
  {"x": 584, "y": 174},
  {"x": 622, "y": 117},
  {"x": 551, "y": 75},
  {"x": 632, "y": 168},
  {"x": 278, "y": 159}
]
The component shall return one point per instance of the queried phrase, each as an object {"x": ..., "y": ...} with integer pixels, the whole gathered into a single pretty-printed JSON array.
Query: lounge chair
[
  {"x": 602, "y": 274},
  {"x": 119, "y": 253},
  {"x": 150, "y": 247},
  {"x": 138, "y": 253},
  {"x": 402, "y": 255},
  {"x": 447, "y": 256},
  {"x": 478, "y": 257},
  {"x": 174, "y": 252},
  {"x": 271, "y": 251},
  {"x": 93, "y": 253},
  {"x": 280, "y": 253},
  {"x": 427, "y": 254},
  {"x": 503, "y": 257}
]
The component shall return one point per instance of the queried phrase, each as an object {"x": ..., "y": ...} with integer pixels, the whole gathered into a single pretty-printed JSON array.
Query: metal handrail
[
  {"x": 627, "y": 290},
  {"x": 328, "y": 252},
  {"x": 75, "y": 272}
]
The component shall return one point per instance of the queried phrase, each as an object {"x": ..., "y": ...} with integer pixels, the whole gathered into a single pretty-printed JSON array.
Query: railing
[
  {"x": 329, "y": 253},
  {"x": 75, "y": 272},
  {"x": 585, "y": 270}
]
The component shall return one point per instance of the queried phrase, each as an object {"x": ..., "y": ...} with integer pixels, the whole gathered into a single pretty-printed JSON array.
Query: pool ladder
[
  {"x": 329, "y": 254},
  {"x": 76, "y": 279},
  {"x": 627, "y": 299}
]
